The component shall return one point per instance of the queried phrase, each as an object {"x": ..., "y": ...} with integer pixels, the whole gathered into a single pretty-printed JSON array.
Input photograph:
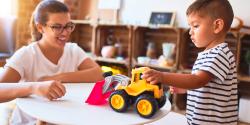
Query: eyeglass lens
[{"x": 57, "y": 28}]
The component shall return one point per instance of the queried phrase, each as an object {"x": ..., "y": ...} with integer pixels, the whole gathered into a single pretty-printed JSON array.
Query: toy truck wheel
[
  {"x": 162, "y": 101},
  {"x": 146, "y": 106},
  {"x": 119, "y": 101}
]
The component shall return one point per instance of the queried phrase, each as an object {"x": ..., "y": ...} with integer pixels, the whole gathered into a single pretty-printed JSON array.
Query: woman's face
[{"x": 57, "y": 30}]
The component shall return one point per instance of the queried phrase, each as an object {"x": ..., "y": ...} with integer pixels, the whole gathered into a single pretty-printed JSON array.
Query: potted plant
[{"x": 247, "y": 59}]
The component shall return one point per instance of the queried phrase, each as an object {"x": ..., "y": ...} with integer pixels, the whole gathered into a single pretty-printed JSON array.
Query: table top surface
[{"x": 72, "y": 109}]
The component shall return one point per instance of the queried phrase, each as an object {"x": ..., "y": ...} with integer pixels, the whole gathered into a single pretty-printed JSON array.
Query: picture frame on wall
[{"x": 162, "y": 19}]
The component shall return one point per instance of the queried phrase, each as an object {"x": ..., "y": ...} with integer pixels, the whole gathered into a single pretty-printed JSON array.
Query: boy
[{"x": 212, "y": 96}]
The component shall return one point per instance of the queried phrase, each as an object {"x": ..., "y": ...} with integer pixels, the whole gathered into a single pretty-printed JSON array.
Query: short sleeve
[
  {"x": 19, "y": 61},
  {"x": 79, "y": 53},
  {"x": 217, "y": 64}
]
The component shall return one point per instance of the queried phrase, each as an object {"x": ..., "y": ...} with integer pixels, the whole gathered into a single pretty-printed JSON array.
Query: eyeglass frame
[{"x": 62, "y": 28}]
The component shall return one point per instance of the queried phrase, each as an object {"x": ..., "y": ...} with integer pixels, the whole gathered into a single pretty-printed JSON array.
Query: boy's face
[{"x": 201, "y": 30}]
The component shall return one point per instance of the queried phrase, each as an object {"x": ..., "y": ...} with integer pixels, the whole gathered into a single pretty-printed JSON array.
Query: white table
[
  {"x": 72, "y": 109},
  {"x": 172, "y": 118}
]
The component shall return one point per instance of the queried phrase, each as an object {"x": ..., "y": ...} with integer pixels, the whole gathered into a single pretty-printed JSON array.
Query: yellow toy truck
[{"x": 148, "y": 98}]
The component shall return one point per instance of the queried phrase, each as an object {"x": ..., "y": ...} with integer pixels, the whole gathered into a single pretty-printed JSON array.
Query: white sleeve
[
  {"x": 19, "y": 61},
  {"x": 80, "y": 54}
]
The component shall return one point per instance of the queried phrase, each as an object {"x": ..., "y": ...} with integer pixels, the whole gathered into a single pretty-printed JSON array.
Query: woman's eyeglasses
[{"x": 57, "y": 28}]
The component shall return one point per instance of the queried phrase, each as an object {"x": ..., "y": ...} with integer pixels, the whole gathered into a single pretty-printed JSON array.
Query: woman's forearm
[
  {"x": 88, "y": 75},
  {"x": 10, "y": 91}
]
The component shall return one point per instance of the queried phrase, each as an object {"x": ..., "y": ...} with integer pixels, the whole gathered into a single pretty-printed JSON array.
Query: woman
[{"x": 50, "y": 56}]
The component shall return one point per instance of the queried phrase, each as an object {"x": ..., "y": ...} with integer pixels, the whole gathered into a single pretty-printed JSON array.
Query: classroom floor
[
  {"x": 180, "y": 105},
  {"x": 183, "y": 112},
  {"x": 241, "y": 123}
]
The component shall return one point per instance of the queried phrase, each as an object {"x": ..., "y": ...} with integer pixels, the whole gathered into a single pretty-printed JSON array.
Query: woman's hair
[
  {"x": 41, "y": 14},
  {"x": 215, "y": 9}
]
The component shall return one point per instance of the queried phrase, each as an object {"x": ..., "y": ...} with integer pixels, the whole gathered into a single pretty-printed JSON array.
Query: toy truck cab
[{"x": 148, "y": 98}]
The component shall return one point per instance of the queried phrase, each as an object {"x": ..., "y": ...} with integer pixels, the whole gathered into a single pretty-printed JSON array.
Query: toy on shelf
[
  {"x": 148, "y": 98},
  {"x": 151, "y": 50},
  {"x": 108, "y": 50},
  {"x": 114, "y": 69},
  {"x": 237, "y": 24},
  {"x": 167, "y": 59}
]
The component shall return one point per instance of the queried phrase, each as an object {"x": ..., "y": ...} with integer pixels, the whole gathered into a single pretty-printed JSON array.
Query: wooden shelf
[
  {"x": 134, "y": 41},
  {"x": 3, "y": 57},
  {"x": 110, "y": 60},
  {"x": 118, "y": 36},
  {"x": 81, "y": 21},
  {"x": 244, "y": 78},
  {"x": 114, "y": 25},
  {"x": 155, "y": 67},
  {"x": 188, "y": 52},
  {"x": 244, "y": 45},
  {"x": 244, "y": 88},
  {"x": 84, "y": 35},
  {"x": 2, "y": 62},
  {"x": 156, "y": 27},
  {"x": 245, "y": 31},
  {"x": 143, "y": 36},
  {"x": 122, "y": 65}
]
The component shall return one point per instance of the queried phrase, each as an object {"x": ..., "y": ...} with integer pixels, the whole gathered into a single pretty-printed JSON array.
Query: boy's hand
[
  {"x": 177, "y": 90},
  {"x": 49, "y": 89},
  {"x": 153, "y": 76}
]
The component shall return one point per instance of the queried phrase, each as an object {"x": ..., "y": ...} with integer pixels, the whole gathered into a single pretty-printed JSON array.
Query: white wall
[
  {"x": 138, "y": 11},
  {"x": 7, "y": 34},
  {"x": 241, "y": 9}
]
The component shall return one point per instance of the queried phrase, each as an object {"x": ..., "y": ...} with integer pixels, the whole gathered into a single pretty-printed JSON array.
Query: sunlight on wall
[{"x": 6, "y": 8}]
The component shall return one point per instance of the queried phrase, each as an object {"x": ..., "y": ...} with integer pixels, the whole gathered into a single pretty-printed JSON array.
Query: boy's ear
[
  {"x": 39, "y": 28},
  {"x": 218, "y": 25}
]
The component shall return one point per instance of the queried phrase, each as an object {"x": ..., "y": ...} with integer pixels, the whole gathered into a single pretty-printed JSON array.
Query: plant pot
[{"x": 108, "y": 51}]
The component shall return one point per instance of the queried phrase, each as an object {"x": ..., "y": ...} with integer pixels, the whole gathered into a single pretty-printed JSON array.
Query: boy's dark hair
[
  {"x": 41, "y": 14},
  {"x": 214, "y": 9}
]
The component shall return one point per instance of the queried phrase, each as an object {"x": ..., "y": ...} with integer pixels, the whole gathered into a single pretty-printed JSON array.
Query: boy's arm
[
  {"x": 89, "y": 71},
  {"x": 187, "y": 81}
]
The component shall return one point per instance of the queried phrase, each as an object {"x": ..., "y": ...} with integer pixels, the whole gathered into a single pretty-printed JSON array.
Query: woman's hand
[{"x": 49, "y": 89}]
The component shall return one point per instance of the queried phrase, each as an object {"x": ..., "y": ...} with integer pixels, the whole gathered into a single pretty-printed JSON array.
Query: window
[
  {"x": 7, "y": 25},
  {"x": 7, "y": 8}
]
